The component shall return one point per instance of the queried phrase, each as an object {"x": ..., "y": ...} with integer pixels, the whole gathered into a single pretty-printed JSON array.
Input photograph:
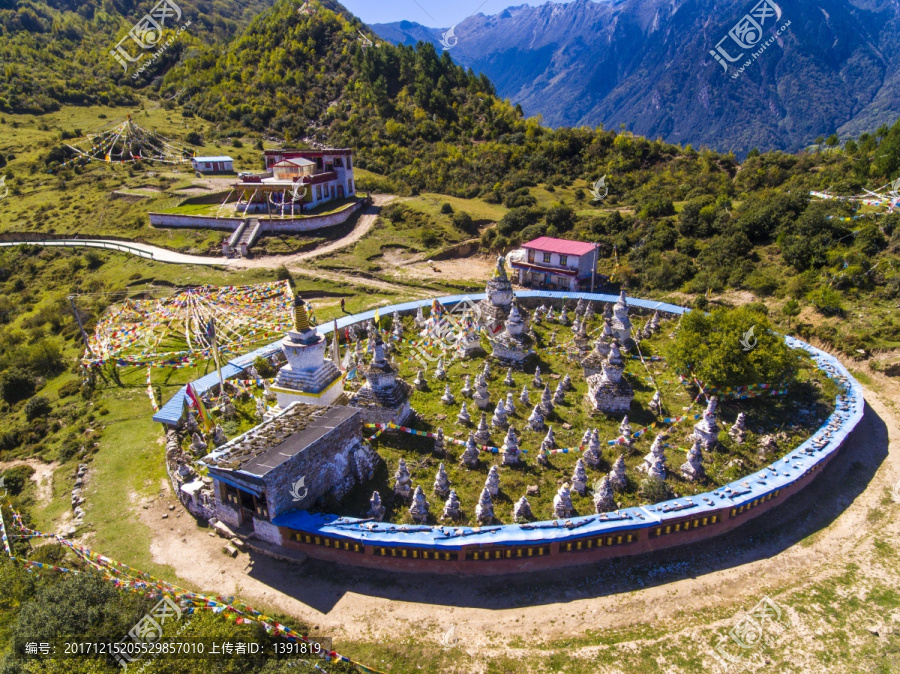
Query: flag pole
[
  {"x": 335, "y": 346},
  {"x": 215, "y": 350}
]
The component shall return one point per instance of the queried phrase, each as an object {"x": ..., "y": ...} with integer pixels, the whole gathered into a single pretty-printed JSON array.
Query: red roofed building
[
  {"x": 557, "y": 264},
  {"x": 297, "y": 181}
]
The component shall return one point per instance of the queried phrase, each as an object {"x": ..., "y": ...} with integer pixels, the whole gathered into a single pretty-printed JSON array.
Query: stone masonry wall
[{"x": 325, "y": 465}]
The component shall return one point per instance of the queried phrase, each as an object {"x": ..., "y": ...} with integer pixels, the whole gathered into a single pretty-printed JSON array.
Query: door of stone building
[{"x": 248, "y": 507}]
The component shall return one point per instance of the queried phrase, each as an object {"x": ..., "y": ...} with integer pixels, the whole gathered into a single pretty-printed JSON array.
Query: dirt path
[
  {"x": 363, "y": 225},
  {"x": 810, "y": 539},
  {"x": 42, "y": 478}
]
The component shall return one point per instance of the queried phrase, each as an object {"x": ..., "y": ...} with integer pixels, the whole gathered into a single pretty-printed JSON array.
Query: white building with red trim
[
  {"x": 297, "y": 181},
  {"x": 555, "y": 264}
]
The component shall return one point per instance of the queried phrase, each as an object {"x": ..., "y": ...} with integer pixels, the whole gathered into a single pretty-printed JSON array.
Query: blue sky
[{"x": 434, "y": 13}]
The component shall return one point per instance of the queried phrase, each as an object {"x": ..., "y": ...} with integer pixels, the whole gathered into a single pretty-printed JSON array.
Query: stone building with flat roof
[{"x": 290, "y": 462}]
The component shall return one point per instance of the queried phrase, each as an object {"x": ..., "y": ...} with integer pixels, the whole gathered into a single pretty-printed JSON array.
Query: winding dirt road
[{"x": 293, "y": 262}]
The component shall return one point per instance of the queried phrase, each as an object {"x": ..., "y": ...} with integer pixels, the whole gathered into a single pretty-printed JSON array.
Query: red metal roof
[{"x": 548, "y": 244}]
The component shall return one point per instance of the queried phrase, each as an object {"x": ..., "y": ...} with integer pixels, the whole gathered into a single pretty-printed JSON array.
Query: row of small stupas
[{"x": 603, "y": 490}]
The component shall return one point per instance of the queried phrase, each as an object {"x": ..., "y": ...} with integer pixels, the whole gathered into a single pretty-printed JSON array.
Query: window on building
[
  {"x": 350, "y": 186},
  {"x": 547, "y": 278},
  {"x": 338, "y": 162},
  {"x": 318, "y": 192},
  {"x": 349, "y": 162},
  {"x": 546, "y": 257},
  {"x": 563, "y": 259}
]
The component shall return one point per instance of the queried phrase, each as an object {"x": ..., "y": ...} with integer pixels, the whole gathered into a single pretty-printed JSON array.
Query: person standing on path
[{"x": 342, "y": 306}]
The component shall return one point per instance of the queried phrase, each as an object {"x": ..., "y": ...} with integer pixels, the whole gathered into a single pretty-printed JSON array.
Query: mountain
[{"x": 647, "y": 64}]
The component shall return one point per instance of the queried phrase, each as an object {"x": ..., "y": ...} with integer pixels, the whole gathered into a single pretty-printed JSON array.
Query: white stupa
[{"x": 308, "y": 377}]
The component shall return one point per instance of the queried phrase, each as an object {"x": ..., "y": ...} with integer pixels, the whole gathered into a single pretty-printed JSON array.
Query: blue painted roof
[{"x": 222, "y": 158}]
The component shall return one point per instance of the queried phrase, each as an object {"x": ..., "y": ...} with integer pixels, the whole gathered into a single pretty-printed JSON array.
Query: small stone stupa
[
  {"x": 483, "y": 433},
  {"x": 738, "y": 432},
  {"x": 692, "y": 469},
  {"x": 484, "y": 511},
  {"x": 402, "y": 481},
  {"x": 609, "y": 391},
  {"x": 657, "y": 453},
  {"x": 442, "y": 482},
  {"x": 384, "y": 398},
  {"x": 492, "y": 483},
  {"x": 562, "y": 502},
  {"x": 512, "y": 346},
  {"x": 376, "y": 510},
  {"x": 604, "y": 499},
  {"x": 621, "y": 324},
  {"x": 469, "y": 457},
  {"x": 496, "y": 307},
  {"x": 522, "y": 511},
  {"x": 308, "y": 377},
  {"x": 452, "y": 510},
  {"x": 579, "y": 477},
  {"x": 419, "y": 508},
  {"x": 593, "y": 455},
  {"x": 482, "y": 396},
  {"x": 511, "y": 453},
  {"x": 617, "y": 477},
  {"x": 707, "y": 430}
]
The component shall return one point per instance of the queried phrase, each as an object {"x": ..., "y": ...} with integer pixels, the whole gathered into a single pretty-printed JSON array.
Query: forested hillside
[{"x": 57, "y": 52}]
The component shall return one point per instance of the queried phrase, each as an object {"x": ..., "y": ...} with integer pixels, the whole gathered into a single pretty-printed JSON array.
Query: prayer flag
[{"x": 199, "y": 406}]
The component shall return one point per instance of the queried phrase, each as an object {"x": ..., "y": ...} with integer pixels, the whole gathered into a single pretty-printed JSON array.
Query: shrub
[
  {"x": 9, "y": 439},
  {"x": 15, "y": 479},
  {"x": 194, "y": 138},
  {"x": 429, "y": 238},
  {"x": 657, "y": 208},
  {"x": 282, "y": 273},
  {"x": 826, "y": 300},
  {"x": 69, "y": 389},
  {"x": 520, "y": 198},
  {"x": 446, "y": 209},
  {"x": 264, "y": 367},
  {"x": 654, "y": 490},
  {"x": 38, "y": 406},
  {"x": 45, "y": 358},
  {"x": 394, "y": 213},
  {"x": 464, "y": 222},
  {"x": 16, "y": 385},
  {"x": 713, "y": 346},
  {"x": 757, "y": 307},
  {"x": 93, "y": 259}
]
